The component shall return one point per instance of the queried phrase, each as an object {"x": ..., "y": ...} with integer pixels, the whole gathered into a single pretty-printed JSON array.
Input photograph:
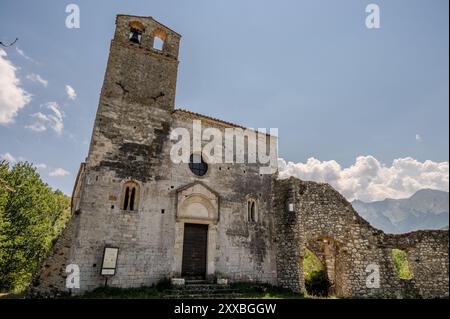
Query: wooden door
[{"x": 194, "y": 251}]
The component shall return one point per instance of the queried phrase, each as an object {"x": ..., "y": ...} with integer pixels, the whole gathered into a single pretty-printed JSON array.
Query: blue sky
[{"x": 335, "y": 89}]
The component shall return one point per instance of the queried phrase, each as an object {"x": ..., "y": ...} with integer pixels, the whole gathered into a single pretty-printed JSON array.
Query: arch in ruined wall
[{"x": 326, "y": 249}]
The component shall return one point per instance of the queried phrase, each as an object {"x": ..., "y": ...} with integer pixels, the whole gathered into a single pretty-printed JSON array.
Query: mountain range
[{"x": 426, "y": 209}]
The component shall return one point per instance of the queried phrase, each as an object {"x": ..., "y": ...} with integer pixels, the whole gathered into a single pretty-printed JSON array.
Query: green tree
[
  {"x": 401, "y": 264},
  {"x": 31, "y": 217}
]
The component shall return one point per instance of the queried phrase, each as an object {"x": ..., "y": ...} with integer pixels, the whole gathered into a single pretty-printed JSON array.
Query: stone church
[{"x": 211, "y": 221}]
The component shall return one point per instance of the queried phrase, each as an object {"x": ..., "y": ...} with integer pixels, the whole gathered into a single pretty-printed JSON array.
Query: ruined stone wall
[
  {"x": 427, "y": 253},
  {"x": 288, "y": 239},
  {"x": 51, "y": 278},
  {"x": 354, "y": 247}
]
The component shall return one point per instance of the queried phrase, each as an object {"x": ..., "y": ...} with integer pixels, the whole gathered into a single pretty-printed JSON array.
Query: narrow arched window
[
  {"x": 130, "y": 196},
  {"x": 159, "y": 37},
  {"x": 252, "y": 211},
  {"x": 158, "y": 43}
]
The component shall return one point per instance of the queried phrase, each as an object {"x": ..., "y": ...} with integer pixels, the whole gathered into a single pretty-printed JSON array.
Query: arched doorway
[
  {"x": 196, "y": 231},
  {"x": 319, "y": 267}
]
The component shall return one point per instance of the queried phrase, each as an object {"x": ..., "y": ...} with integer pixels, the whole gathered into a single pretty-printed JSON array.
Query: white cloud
[
  {"x": 71, "y": 92},
  {"x": 53, "y": 120},
  {"x": 59, "y": 172},
  {"x": 12, "y": 96},
  {"x": 36, "y": 127},
  {"x": 8, "y": 157},
  {"x": 418, "y": 138},
  {"x": 369, "y": 180},
  {"x": 37, "y": 78},
  {"x": 40, "y": 166},
  {"x": 11, "y": 159},
  {"x": 22, "y": 53}
]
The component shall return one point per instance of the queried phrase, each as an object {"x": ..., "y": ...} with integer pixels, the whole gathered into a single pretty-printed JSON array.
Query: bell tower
[
  {"x": 143, "y": 62},
  {"x": 136, "y": 102}
]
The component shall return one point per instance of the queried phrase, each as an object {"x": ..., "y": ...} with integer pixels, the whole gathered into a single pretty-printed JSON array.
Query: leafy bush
[
  {"x": 316, "y": 279},
  {"x": 401, "y": 264}
]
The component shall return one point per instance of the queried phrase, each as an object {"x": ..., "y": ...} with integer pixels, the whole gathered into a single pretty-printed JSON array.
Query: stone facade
[{"x": 130, "y": 150}]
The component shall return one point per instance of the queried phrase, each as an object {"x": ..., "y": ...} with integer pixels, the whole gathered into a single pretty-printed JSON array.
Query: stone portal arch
[{"x": 197, "y": 204}]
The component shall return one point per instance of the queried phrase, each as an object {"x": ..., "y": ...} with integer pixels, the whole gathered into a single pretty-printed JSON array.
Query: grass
[{"x": 264, "y": 291}]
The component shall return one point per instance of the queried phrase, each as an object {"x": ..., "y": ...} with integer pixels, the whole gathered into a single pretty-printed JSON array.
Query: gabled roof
[{"x": 213, "y": 119}]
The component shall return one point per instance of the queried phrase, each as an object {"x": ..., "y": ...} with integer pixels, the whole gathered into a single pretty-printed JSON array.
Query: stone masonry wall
[
  {"x": 51, "y": 278},
  {"x": 330, "y": 222},
  {"x": 244, "y": 250},
  {"x": 288, "y": 238}
]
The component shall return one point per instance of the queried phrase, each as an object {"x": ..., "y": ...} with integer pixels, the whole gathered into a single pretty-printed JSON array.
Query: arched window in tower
[
  {"x": 136, "y": 30},
  {"x": 159, "y": 37},
  {"x": 130, "y": 196},
  {"x": 252, "y": 210}
]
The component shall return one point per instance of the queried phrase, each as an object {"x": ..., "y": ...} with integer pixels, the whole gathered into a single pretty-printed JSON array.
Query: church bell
[{"x": 135, "y": 36}]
